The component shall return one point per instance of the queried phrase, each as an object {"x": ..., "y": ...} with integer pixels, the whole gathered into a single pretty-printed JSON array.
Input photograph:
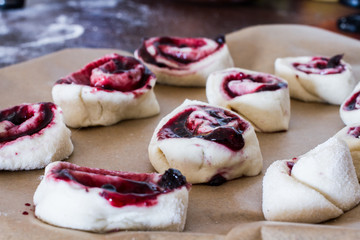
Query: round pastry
[
  {"x": 317, "y": 79},
  {"x": 184, "y": 61},
  {"x": 207, "y": 144},
  {"x": 101, "y": 200},
  {"x": 261, "y": 98},
  {"x": 32, "y": 136},
  {"x": 350, "y": 134},
  {"x": 350, "y": 108},
  {"x": 106, "y": 91},
  {"x": 315, "y": 187}
]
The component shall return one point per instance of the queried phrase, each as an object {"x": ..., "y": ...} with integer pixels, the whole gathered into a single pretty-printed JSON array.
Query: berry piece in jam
[{"x": 171, "y": 179}]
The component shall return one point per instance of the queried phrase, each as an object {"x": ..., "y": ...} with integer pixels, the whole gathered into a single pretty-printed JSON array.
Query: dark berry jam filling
[
  {"x": 172, "y": 49},
  {"x": 208, "y": 123},
  {"x": 354, "y": 131},
  {"x": 290, "y": 164},
  {"x": 112, "y": 73},
  {"x": 353, "y": 102},
  {"x": 25, "y": 120},
  {"x": 239, "y": 83},
  {"x": 217, "y": 180},
  {"x": 122, "y": 188},
  {"x": 322, "y": 65}
]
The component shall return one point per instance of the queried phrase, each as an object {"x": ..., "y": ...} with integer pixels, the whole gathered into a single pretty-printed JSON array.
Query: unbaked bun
[
  {"x": 315, "y": 187},
  {"x": 106, "y": 91},
  {"x": 317, "y": 79},
  {"x": 184, "y": 61},
  {"x": 32, "y": 136},
  {"x": 208, "y": 144},
  {"x": 99, "y": 200}
]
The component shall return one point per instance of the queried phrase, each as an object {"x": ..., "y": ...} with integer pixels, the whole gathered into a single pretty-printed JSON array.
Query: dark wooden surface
[{"x": 45, "y": 26}]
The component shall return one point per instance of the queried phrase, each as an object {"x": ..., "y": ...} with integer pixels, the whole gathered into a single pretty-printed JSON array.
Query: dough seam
[{"x": 317, "y": 190}]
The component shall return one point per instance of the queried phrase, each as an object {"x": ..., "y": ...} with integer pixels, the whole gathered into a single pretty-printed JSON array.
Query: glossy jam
[
  {"x": 217, "y": 180},
  {"x": 122, "y": 188},
  {"x": 353, "y": 102},
  {"x": 18, "y": 115},
  {"x": 161, "y": 44},
  {"x": 111, "y": 64},
  {"x": 354, "y": 131},
  {"x": 221, "y": 126},
  {"x": 322, "y": 65},
  {"x": 250, "y": 83}
]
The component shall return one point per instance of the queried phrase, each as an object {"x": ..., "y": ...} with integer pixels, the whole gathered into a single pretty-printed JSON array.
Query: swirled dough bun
[
  {"x": 32, "y": 136},
  {"x": 207, "y": 144},
  {"x": 101, "y": 200},
  {"x": 261, "y": 98},
  {"x": 350, "y": 134},
  {"x": 315, "y": 187},
  {"x": 350, "y": 108},
  {"x": 106, "y": 91},
  {"x": 184, "y": 61},
  {"x": 317, "y": 79}
]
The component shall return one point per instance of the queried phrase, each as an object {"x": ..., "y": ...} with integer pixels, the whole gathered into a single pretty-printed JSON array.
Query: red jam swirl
[
  {"x": 121, "y": 188},
  {"x": 180, "y": 51},
  {"x": 290, "y": 164},
  {"x": 112, "y": 73},
  {"x": 25, "y": 120},
  {"x": 322, "y": 65},
  {"x": 353, "y": 103},
  {"x": 208, "y": 123},
  {"x": 354, "y": 131},
  {"x": 239, "y": 83}
]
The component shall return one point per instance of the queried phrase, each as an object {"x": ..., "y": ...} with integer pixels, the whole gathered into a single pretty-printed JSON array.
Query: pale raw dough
[
  {"x": 329, "y": 88},
  {"x": 52, "y": 143},
  {"x": 200, "y": 160},
  {"x": 321, "y": 185},
  {"x": 71, "y": 205},
  {"x": 267, "y": 111},
  {"x": 351, "y": 117},
  {"x": 193, "y": 74},
  {"x": 353, "y": 142}
]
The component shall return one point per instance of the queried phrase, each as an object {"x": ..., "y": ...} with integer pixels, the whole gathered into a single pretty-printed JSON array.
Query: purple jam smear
[
  {"x": 322, "y": 65},
  {"x": 110, "y": 64},
  {"x": 19, "y": 114},
  {"x": 351, "y": 104},
  {"x": 290, "y": 164},
  {"x": 122, "y": 188},
  {"x": 268, "y": 83},
  {"x": 217, "y": 180},
  {"x": 222, "y": 133},
  {"x": 354, "y": 131},
  {"x": 194, "y": 43}
]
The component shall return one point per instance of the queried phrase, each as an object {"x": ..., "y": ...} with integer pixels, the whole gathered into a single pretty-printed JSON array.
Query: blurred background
[{"x": 40, "y": 27}]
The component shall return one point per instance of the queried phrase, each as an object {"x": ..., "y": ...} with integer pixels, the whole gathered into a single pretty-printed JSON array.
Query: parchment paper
[{"x": 229, "y": 211}]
